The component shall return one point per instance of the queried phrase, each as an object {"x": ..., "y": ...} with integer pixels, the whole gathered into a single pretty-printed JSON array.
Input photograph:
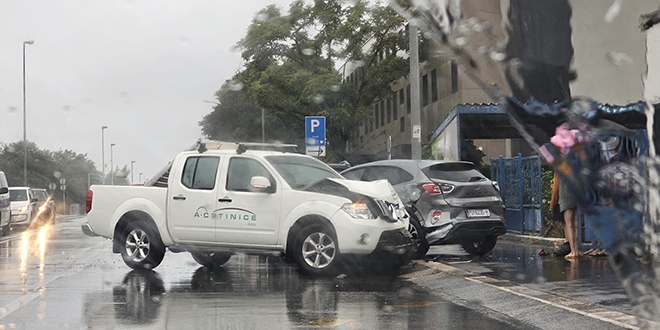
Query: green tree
[
  {"x": 45, "y": 167},
  {"x": 296, "y": 64}
]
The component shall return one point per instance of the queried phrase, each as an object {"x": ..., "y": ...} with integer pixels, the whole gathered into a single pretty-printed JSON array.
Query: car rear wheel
[
  {"x": 419, "y": 235},
  {"x": 141, "y": 247},
  {"x": 316, "y": 252},
  {"x": 479, "y": 247},
  {"x": 211, "y": 260}
]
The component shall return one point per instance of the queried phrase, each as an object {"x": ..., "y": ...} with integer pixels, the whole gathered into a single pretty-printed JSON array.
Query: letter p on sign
[{"x": 315, "y": 123}]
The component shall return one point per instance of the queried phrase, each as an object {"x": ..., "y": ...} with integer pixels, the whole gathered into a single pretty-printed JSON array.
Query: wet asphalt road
[
  {"x": 55, "y": 277},
  {"x": 591, "y": 280}
]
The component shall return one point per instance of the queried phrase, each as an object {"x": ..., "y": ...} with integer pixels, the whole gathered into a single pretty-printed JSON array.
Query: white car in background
[
  {"x": 23, "y": 206},
  {"x": 5, "y": 205}
]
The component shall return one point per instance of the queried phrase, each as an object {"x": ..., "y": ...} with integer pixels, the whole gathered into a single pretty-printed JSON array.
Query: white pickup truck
[{"x": 218, "y": 201}]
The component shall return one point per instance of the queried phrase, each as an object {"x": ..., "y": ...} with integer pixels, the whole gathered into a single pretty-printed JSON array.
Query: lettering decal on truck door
[
  {"x": 228, "y": 213},
  {"x": 201, "y": 212}
]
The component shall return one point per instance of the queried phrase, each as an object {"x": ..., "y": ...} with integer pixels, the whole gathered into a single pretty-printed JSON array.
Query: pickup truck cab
[{"x": 220, "y": 201}]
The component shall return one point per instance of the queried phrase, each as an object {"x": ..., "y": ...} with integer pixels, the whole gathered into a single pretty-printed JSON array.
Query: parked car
[
  {"x": 218, "y": 201},
  {"x": 450, "y": 202},
  {"x": 45, "y": 205},
  {"x": 23, "y": 206},
  {"x": 5, "y": 204}
]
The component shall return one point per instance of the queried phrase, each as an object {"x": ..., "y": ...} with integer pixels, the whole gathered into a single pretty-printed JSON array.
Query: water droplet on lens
[
  {"x": 318, "y": 99},
  {"x": 155, "y": 298},
  {"x": 613, "y": 12},
  {"x": 235, "y": 85},
  {"x": 482, "y": 49},
  {"x": 618, "y": 58},
  {"x": 308, "y": 52},
  {"x": 335, "y": 88},
  {"x": 13, "y": 109},
  {"x": 497, "y": 56},
  {"x": 66, "y": 108},
  {"x": 11, "y": 149},
  {"x": 261, "y": 16},
  {"x": 57, "y": 174},
  {"x": 461, "y": 41}
]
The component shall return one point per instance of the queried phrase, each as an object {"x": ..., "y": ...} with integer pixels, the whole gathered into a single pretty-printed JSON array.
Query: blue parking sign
[{"x": 315, "y": 131}]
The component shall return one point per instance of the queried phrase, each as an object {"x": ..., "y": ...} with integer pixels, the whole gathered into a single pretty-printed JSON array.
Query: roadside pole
[{"x": 415, "y": 116}]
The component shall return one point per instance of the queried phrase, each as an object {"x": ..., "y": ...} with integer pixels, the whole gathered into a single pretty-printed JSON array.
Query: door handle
[
  {"x": 180, "y": 198},
  {"x": 224, "y": 200}
]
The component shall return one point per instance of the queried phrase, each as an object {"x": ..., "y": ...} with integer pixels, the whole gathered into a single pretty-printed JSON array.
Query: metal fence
[{"x": 519, "y": 179}]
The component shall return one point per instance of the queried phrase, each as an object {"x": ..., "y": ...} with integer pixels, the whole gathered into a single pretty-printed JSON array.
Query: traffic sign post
[
  {"x": 63, "y": 188},
  {"x": 315, "y": 136}
]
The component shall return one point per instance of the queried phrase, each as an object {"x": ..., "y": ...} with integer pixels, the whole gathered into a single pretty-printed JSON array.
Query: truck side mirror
[
  {"x": 260, "y": 183},
  {"x": 4, "y": 190}
]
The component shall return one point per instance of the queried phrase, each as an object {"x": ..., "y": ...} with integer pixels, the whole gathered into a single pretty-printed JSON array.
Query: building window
[
  {"x": 425, "y": 90},
  {"x": 371, "y": 125},
  {"x": 382, "y": 113},
  {"x": 408, "y": 98},
  {"x": 434, "y": 86},
  {"x": 401, "y": 96},
  {"x": 376, "y": 114},
  {"x": 389, "y": 110},
  {"x": 454, "y": 77},
  {"x": 403, "y": 124},
  {"x": 395, "y": 107}
]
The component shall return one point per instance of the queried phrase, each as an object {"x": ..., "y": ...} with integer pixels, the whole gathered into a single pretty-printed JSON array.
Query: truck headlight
[
  {"x": 358, "y": 210},
  {"x": 23, "y": 208}
]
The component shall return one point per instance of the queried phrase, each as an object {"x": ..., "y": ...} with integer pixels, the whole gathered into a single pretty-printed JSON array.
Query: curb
[{"x": 532, "y": 240}]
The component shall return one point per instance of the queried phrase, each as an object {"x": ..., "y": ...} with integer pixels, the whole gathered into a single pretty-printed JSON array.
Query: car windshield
[
  {"x": 18, "y": 195},
  {"x": 40, "y": 195},
  {"x": 555, "y": 102},
  {"x": 299, "y": 171},
  {"x": 459, "y": 172}
]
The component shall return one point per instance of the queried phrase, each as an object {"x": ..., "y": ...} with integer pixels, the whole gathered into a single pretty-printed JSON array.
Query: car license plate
[{"x": 478, "y": 213}]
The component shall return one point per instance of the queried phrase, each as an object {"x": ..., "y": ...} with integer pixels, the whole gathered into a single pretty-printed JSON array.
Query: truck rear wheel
[
  {"x": 141, "y": 247},
  {"x": 316, "y": 252},
  {"x": 211, "y": 260}
]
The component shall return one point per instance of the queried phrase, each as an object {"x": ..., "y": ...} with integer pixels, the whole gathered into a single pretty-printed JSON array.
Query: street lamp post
[
  {"x": 132, "y": 162},
  {"x": 140, "y": 176},
  {"x": 112, "y": 166},
  {"x": 103, "y": 152},
  {"x": 27, "y": 42}
]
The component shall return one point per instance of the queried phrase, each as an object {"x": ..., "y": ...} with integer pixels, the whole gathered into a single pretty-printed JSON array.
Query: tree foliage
[
  {"x": 45, "y": 167},
  {"x": 297, "y": 64}
]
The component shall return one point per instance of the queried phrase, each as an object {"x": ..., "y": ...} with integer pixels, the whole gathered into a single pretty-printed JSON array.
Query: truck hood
[{"x": 378, "y": 189}]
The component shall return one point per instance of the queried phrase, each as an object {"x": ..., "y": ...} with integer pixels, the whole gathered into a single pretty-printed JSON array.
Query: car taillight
[
  {"x": 88, "y": 201},
  {"x": 431, "y": 189}
]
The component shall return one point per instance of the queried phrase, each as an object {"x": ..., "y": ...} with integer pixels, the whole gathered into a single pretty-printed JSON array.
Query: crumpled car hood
[{"x": 378, "y": 189}]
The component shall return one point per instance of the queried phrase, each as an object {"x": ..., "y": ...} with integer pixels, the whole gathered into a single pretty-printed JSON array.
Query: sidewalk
[{"x": 588, "y": 284}]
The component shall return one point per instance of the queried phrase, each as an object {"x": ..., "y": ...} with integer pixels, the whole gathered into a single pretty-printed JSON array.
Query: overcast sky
[{"x": 140, "y": 67}]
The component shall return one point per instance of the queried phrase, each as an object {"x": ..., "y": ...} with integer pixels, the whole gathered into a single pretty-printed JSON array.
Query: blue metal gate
[{"x": 519, "y": 179}]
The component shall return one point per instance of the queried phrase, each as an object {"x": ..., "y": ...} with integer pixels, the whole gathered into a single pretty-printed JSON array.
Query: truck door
[
  {"x": 245, "y": 215},
  {"x": 192, "y": 199}
]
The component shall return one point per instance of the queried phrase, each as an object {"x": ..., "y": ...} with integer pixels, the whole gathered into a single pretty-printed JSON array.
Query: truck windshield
[{"x": 300, "y": 171}]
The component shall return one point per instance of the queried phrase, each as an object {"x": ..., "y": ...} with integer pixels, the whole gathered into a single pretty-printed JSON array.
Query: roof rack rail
[{"x": 244, "y": 146}]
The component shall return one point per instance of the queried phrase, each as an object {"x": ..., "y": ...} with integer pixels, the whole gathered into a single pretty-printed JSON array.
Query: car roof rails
[{"x": 244, "y": 146}]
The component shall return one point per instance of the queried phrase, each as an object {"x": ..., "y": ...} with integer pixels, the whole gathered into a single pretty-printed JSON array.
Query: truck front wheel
[
  {"x": 211, "y": 260},
  {"x": 315, "y": 251},
  {"x": 141, "y": 247}
]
